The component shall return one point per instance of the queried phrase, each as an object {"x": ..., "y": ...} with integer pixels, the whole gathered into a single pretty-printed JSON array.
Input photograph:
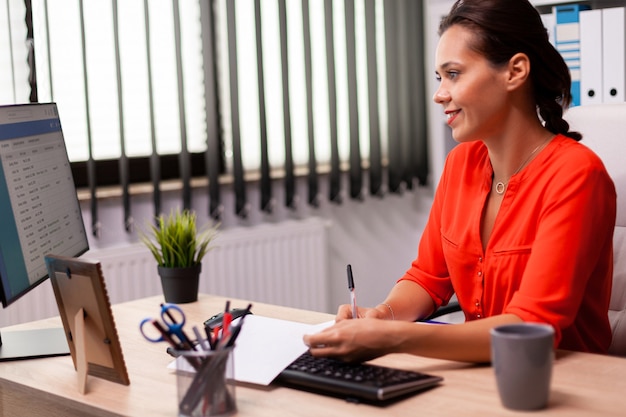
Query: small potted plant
[{"x": 178, "y": 246}]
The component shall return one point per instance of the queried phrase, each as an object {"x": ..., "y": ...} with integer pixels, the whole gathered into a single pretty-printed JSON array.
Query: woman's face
[{"x": 472, "y": 92}]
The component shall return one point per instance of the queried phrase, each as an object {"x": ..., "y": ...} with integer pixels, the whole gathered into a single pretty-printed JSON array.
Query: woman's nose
[{"x": 441, "y": 95}]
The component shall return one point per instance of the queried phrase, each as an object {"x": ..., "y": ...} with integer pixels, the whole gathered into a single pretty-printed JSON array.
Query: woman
[{"x": 522, "y": 220}]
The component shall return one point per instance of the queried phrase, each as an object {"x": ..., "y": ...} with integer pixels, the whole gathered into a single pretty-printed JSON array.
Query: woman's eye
[{"x": 451, "y": 75}]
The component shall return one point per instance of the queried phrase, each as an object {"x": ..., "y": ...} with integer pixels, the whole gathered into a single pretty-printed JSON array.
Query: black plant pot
[{"x": 180, "y": 285}]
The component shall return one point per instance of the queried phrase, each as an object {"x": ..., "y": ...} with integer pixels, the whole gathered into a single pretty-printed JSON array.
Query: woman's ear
[{"x": 518, "y": 70}]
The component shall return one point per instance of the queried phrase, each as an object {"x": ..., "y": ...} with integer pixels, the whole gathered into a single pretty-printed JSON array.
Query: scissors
[{"x": 170, "y": 328}]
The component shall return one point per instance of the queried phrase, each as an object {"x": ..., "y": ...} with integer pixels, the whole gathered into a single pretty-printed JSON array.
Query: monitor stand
[{"x": 33, "y": 344}]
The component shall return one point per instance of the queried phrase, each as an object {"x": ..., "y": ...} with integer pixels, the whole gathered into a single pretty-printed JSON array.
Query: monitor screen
[{"x": 38, "y": 203}]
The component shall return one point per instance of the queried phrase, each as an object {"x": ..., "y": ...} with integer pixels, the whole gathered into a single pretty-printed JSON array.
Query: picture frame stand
[{"x": 87, "y": 317}]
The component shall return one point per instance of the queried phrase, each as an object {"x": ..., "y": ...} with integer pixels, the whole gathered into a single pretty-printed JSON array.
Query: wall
[{"x": 377, "y": 236}]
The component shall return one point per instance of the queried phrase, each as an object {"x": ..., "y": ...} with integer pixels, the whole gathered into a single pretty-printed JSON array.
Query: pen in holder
[{"x": 208, "y": 390}]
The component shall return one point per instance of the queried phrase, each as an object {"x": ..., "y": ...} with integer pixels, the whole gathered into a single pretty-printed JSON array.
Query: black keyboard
[{"x": 353, "y": 381}]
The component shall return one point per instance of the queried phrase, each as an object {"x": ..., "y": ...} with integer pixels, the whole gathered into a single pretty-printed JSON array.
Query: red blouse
[{"x": 549, "y": 257}]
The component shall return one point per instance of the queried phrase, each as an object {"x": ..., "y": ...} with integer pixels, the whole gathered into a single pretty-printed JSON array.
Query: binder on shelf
[
  {"x": 614, "y": 54},
  {"x": 567, "y": 41},
  {"x": 591, "y": 67},
  {"x": 548, "y": 23}
]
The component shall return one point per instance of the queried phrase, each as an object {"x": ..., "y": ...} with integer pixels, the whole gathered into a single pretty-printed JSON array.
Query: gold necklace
[{"x": 501, "y": 186}]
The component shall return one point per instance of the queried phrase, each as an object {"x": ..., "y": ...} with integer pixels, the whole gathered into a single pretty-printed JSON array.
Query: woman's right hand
[{"x": 345, "y": 312}]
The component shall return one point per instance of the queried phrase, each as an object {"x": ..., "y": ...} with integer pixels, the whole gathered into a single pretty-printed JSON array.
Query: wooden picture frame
[{"x": 85, "y": 310}]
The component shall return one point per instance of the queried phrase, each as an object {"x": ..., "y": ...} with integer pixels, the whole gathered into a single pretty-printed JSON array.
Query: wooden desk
[{"x": 583, "y": 384}]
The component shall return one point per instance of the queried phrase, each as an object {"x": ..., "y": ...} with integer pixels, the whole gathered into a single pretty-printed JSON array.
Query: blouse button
[
  {"x": 480, "y": 259},
  {"x": 480, "y": 273},
  {"x": 477, "y": 316}
]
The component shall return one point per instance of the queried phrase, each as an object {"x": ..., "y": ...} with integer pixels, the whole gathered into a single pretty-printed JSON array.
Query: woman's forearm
[
  {"x": 467, "y": 342},
  {"x": 408, "y": 301}
]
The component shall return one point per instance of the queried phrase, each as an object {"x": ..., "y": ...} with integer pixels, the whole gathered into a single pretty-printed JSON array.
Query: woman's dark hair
[{"x": 502, "y": 28}]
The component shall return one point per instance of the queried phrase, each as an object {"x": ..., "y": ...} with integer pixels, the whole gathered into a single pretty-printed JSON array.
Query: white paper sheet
[{"x": 265, "y": 346}]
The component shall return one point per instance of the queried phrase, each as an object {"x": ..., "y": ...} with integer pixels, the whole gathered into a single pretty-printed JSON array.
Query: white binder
[
  {"x": 614, "y": 54},
  {"x": 591, "y": 91},
  {"x": 548, "y": 23}
]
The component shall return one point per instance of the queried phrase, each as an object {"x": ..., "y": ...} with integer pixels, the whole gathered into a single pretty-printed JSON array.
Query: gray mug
[{"x": 522, "y": 356}]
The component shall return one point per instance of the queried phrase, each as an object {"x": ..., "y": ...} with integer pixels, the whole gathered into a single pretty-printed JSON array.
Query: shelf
[
  {"x": 592, "y": 3},
  {"x": 538, "y": 3}
]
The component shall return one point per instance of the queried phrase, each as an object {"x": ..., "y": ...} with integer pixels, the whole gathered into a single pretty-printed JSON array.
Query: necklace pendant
[{"x": 500, "y": 188}]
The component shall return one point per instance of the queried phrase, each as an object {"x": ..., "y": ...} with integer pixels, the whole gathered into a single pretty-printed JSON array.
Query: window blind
[{"x": 258, "y": 91}]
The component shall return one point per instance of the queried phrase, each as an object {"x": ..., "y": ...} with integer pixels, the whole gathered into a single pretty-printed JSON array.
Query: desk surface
[{"x": 583, "y": 384}]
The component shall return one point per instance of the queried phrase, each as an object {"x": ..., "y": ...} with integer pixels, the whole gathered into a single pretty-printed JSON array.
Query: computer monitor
[{"x": 40, "y": 215}]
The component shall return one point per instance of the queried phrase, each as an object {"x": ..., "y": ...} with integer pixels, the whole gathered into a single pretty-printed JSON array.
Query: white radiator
[{"x": 283, "y": 263}]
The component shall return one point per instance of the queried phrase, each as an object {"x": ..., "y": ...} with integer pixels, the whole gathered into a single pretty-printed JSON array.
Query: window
[{"x": 270, "y": 86}]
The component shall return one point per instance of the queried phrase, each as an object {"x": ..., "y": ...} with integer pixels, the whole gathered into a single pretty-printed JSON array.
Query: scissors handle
[
  {"x": 163, "y": 336},
  {"x": 169, "y": 318},
  {"x": 175, "y": 324}
]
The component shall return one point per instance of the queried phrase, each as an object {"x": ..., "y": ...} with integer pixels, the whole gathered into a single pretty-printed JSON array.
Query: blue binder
[{"x": 567, "y": 41}]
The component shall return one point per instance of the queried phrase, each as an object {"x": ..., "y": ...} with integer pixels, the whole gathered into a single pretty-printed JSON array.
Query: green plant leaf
[{"x": 175, "y": 240}]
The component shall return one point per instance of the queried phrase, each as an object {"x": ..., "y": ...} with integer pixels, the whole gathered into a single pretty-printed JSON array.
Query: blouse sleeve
[{"x": 429, "y": 268}]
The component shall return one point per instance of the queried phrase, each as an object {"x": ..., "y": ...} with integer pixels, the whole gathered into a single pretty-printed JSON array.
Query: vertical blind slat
[
  {"x": 47, "y": 29},
  {"x": 375, "y": 170},
  {"x": 335, "y": 173},
  {"x": 290, "y": 200},
  {"x": 241, "y": 204},
  {"x": 356, "y": 183},
  {"x": 267, "y": 201},
  {"x": 155, "y": 162},
  {"x": 395, "y": 169},
  {"x": 403, "y": 93},
  {"x": 11, "y": 53},
  {"x": 123, "y": 161},
  {"x": 312, "y": 172},
  {"x": 183, "y": 158},
  {"x": 91, "y": 163},
  {"x": 212, "y": 154},
  {"x": 32, "y": 75},
  {"x": 415, "y": 50}
]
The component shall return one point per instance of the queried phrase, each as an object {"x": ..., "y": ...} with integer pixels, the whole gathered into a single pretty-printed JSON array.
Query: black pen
[{"x": 352, "y": 293}]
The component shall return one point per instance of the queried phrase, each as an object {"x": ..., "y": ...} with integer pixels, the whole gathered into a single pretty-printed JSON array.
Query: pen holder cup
[{"x": 205, "y": 382}]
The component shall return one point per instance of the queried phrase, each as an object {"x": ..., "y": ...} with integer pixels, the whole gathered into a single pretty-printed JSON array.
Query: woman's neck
[{"x": 509, "y": 155}]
